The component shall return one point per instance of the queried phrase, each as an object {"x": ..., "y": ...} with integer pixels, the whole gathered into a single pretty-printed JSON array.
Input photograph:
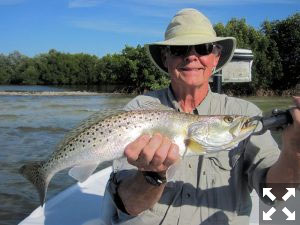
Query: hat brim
[{"x": 228, "y": 46}]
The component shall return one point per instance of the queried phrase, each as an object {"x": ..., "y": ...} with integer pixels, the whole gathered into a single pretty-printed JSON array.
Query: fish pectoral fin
[
  {"x": 172, "y": 170},
  {"x": 194, "y": 147},
  {"x": 83, "y": 171}
]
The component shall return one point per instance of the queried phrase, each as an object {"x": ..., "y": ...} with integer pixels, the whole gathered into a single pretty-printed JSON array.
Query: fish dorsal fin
[
  {"x": 87, "y": 123},
  {"x": 83, "y": 171},
  {"x": 149, "y": 105}
]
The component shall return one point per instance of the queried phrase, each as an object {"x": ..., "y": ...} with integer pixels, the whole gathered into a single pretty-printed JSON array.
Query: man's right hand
[{"x": 154, "y": 153}]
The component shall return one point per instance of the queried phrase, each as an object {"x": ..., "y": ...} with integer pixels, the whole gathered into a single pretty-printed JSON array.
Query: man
[{"x": 210, "y": 189}]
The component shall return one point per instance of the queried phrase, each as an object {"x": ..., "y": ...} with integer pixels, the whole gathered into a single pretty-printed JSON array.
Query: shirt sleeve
[
  {"x": 260, "y": 154},
  {"x": 120, "y": 216}
]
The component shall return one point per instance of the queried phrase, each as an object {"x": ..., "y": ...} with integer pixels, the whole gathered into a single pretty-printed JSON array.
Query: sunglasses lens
[
  {"x": 178, "y": 50},
  {"x": 182, "y": 50},
  {"x": 204, "y": 49}
]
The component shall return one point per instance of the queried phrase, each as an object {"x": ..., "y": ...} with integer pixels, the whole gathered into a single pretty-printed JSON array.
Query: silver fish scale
[{"x": 105, "y": 139}]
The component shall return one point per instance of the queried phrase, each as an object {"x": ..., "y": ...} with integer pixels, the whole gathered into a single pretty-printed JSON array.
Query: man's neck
[{"x": 190, "y": 98}]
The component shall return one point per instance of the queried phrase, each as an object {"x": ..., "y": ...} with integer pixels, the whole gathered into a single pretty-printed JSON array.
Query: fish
[{"x": 102, "y": 138}]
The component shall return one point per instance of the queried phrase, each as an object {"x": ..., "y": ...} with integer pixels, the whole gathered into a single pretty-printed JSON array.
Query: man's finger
[
  {"x": 133, "y": 150},
  {"x": 161, "y": 153},
  {"x": 296, "y": 100},
  {"x": 173, "y": 155},
  {"x": 146, "y": 155}
]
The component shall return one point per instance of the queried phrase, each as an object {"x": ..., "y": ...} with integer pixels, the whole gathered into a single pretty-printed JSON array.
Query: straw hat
[{"x": 190, "y": 27}]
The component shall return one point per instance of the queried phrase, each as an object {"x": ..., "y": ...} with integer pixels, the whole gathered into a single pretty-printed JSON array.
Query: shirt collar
[{"x": 202, "y": 108}]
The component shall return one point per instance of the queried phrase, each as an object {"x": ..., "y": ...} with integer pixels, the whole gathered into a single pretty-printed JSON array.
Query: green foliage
[
  {"x": 286, "y": 37},
  {"x": 276, "y": 49}
]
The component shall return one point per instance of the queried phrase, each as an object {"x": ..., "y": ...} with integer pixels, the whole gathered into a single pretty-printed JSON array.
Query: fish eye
[{"x": 228, "y": 119}]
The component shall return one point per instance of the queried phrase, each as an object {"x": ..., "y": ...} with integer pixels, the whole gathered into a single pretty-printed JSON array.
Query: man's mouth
[{"x": 190, "y": 69}]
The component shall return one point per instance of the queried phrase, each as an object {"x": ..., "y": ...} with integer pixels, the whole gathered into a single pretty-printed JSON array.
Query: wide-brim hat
[{"x": 190, "y": 27}]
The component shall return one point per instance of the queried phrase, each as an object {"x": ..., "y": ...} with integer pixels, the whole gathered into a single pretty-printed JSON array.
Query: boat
[{"x": 85, "y": 204}]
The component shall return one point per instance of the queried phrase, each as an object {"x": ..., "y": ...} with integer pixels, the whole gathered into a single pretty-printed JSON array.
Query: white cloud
[
  {"x": 10, "y": 2},
  {"x": 116, "y": 27},
  {"x": 84, "y": 3}
]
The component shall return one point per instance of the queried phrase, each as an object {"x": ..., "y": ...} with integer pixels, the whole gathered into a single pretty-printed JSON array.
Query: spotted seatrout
[{"x": 99, "y": 139}]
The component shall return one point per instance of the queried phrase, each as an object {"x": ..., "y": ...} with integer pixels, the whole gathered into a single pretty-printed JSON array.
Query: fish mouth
[
  {"x": 243, "y": 126},
  {"x": 249, "y": 125}
]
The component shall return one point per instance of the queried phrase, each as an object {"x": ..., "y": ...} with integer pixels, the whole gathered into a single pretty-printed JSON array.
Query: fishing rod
[{"x": 276, "y": 121}]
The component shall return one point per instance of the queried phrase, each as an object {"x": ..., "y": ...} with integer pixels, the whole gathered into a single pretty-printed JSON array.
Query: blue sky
[{"x": 100, "y": 27}]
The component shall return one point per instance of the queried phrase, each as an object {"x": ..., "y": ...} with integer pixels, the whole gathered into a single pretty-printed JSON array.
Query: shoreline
[{"x": 56, "y": 93}]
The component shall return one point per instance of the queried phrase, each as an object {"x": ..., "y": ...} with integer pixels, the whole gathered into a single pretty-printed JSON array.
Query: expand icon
[{"x": 290, "y": 215}]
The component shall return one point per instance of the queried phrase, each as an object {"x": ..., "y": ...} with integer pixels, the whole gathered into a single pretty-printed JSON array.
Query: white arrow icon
[
  {"x": 291, "y": 216},
  {"x": 290, "y": 192},
  {"x": 267, "y": 191},
  {"x": 267, "y": 215}
]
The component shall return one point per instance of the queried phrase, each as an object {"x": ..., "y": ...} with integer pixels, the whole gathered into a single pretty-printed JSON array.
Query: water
[{"x": 31, "y": 126}]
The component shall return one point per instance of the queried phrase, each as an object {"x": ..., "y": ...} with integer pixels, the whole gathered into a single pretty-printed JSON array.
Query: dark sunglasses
[{"x": 182, "y": 50}]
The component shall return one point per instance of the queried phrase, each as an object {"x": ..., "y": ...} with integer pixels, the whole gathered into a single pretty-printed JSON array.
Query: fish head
[{"x": 216, "y": 133}]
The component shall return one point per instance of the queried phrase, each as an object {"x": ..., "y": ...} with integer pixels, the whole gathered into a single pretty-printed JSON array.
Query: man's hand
[
  {"x": 287, "y": 169},
  {"x": 147, "y": 153},
  {"x": 291, "y": 135},
  {"x": 154, "y": 153}
]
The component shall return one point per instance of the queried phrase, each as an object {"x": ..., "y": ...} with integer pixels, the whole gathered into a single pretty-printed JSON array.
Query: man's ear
[
  {"x": 217, "y": 54},
  {"x": 216, "y": 60}
]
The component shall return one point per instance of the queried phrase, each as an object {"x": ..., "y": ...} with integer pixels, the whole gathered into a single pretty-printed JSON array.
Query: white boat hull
[{"x": 84, "y": 204}]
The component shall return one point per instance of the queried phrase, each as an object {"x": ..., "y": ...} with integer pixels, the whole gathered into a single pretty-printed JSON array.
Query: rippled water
[{"x": 31, "y": 126}]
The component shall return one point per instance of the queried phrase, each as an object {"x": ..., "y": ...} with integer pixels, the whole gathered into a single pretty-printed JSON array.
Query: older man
[{"x": 210, "y": 189}]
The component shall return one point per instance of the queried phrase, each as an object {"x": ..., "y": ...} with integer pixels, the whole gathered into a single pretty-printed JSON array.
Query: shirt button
[
  {"x": 190, "y": 166},
  {"x": 188, "y": 195}
]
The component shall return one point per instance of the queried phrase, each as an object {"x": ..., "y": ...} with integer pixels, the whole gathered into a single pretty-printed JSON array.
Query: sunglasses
[{"x": 182, "y": 50}]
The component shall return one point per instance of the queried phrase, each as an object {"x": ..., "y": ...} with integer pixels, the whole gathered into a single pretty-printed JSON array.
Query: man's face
[{"x": 191, "y": 69}]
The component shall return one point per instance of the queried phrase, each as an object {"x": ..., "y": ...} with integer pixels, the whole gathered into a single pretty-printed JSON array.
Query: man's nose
[{"x": 191, "y": 54}]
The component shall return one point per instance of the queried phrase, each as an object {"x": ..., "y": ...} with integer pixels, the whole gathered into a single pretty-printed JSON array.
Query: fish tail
[{"x": 36, "y": 174}]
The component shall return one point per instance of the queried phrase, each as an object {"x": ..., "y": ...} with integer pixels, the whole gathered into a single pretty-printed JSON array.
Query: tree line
[{"x": 275, "y": 45}]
